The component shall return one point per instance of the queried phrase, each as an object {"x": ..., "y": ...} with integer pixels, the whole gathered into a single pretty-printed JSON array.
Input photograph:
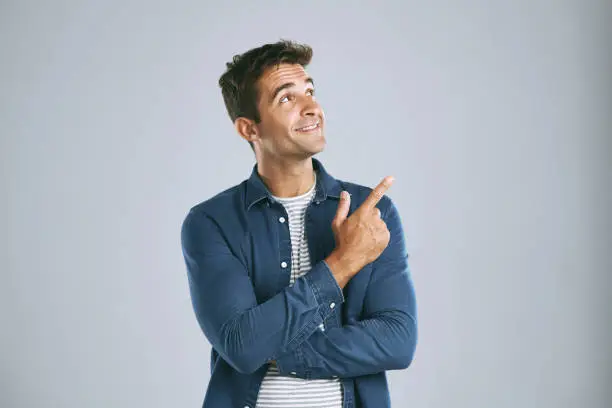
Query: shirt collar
[{"x": 326, "y": 186}]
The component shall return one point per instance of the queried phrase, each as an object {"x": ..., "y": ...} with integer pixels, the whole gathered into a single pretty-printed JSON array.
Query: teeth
[{"x": 309, "y": 127}]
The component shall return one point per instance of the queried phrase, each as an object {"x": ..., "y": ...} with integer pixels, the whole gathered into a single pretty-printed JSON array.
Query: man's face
[{"x": 292, "y": 122}]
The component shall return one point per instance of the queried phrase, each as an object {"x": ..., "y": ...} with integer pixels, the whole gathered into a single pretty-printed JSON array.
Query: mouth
[{"x": 313, "y": 127}]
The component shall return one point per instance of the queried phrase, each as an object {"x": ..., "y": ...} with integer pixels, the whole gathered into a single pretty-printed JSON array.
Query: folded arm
[
  {"x": 387, "y": 336},
  {"x": 244, "y": 333}
]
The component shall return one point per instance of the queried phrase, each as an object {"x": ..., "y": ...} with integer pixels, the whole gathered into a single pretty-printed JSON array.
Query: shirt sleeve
[
  {"x": 244, "y": 333},
  {"x": 384, "y": 340}
]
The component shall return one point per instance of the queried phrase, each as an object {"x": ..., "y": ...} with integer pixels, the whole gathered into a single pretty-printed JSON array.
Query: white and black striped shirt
[{"x": 279, "y": 391}]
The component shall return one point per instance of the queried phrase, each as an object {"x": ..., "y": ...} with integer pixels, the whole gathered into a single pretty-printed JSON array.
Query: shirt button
[
  {"x": 282, "y": 219},
  {"x": 284, "y": 264},
  {"x": 332, "y": 305}
]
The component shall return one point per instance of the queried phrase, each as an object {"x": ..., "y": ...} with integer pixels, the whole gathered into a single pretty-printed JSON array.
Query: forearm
[
  {"x": 276, "y": 326},
  {"x": 380, "y": 343}
]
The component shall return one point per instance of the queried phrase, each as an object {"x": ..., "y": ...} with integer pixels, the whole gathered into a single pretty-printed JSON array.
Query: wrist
[{"x": 341, "y": 267}]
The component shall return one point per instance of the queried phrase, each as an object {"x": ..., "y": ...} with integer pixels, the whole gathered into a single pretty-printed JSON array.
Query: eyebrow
[{"x": 288, "y": 85}]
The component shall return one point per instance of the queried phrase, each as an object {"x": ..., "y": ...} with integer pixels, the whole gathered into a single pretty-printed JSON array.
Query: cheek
[
  {"x": 285, "y": 120},
  {"x": 280, "y": 122},
  {"x": 292, "y": 118},
  {"x": 276, "y": 128}
]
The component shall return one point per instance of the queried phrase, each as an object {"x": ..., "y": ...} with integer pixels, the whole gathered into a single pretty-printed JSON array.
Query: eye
[
  {"x": 311, "y": 91},
  {"x": 284, "y": 99}
]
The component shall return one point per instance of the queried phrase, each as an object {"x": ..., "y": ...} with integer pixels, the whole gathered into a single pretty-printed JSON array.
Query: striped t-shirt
[{"x": 278, "y": 391}]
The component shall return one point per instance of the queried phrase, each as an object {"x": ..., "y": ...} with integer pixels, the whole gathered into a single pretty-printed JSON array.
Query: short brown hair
[{"x": 238, "y": 82}]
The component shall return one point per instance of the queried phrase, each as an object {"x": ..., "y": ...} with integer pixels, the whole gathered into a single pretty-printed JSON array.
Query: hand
[{"x": 360, "y": 238}]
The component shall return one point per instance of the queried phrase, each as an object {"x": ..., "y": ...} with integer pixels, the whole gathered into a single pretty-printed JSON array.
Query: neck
[{"x": 287, "y": 178}]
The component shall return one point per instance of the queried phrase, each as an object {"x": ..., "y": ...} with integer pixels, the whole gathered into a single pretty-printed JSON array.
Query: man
[{"x": 303, "y": 290}]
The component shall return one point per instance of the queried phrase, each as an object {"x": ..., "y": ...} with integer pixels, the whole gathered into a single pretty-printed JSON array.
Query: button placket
[{"x": 282, "y": 220}]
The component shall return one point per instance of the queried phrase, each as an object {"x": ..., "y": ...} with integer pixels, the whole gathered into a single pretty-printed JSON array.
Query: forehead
[{"x": 275, "y": 76}]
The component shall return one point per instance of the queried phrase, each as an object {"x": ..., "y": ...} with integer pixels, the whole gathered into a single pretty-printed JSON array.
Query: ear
[{"x": 247, "y": 129}]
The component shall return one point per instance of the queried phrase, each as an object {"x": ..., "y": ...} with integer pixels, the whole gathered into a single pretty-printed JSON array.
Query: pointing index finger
[{"x": 377, "y": 193}]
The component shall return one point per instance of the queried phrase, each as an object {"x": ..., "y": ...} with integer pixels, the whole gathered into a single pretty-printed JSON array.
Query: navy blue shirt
[{"x": 238, "y": 257}]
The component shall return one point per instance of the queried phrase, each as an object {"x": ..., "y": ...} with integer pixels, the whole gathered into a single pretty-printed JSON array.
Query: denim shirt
[{"x": 237, "y": 252}]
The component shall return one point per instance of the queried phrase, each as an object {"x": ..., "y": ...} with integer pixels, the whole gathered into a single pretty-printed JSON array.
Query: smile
[{"x": 309, "y": 128}]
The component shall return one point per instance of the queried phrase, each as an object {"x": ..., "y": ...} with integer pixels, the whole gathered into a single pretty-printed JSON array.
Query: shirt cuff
[{"x": 325, "y": 287}]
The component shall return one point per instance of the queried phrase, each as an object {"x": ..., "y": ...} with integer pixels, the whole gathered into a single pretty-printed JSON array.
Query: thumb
[{"x": 343, "y": 209}]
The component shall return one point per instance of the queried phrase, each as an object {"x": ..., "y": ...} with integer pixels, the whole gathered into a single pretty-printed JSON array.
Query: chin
[
  {"x": 319, "y": 142},
  {"x": 310, "y": 151},
  {"x": 319, "y": 149}
]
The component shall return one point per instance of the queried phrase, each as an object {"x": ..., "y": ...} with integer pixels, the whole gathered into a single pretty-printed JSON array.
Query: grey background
[{"x": 492, "y": 116}]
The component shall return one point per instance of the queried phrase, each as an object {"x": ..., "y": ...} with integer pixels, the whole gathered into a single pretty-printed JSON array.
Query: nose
[{"x": 311, "y": 107}]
